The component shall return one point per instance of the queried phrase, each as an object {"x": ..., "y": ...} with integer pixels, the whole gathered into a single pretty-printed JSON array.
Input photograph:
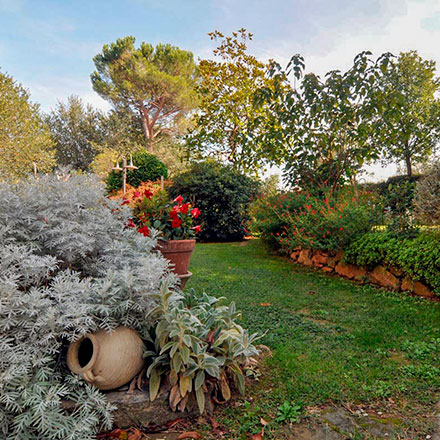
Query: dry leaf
[
  {"x": 135, "y": 434},
  {"x": 175, "y": 397},
  {"x": 189, "y": 434},
  {"x": 213, "y": 422},
  {"x": 263, "y": 422},
  {"x": 259, "y": 436}
]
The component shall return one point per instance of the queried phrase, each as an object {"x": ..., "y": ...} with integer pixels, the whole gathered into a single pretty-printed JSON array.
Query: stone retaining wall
[{"x": 387, "y": 277}]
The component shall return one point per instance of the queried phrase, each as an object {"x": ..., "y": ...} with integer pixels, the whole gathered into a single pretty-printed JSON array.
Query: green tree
[
  {"x": 227, "y": 125},
  {"x": 416, "y": 131},
  {"x": 78, "y": 132},
  {"x": 326, "y": 129},
  {"x": 25, "y": 139},
  {"x": 155, "y": 83}
]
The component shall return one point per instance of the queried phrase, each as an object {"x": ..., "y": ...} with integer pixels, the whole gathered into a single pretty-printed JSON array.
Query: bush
[
  {"x": 419, "y": 257},
  {"x": 427, "y": 196},
  {"x": 149, "y": 168},
  {"x": 313, "y": 222},
  {"x": 269, "y": 215},
  {"x": 223, "y": 197}
]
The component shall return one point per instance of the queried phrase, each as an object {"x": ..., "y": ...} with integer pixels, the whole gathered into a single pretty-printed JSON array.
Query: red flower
[
  {"x": 175, "y": 211},
  {"x": 144, "y": 230},
  {"x": 176, "y": 222},
  {"x": 136, "y": 195},
  {"x": 125, "y": 202},
  {"x": 131, "y": 224},
  {"x": 197, "y": 229},
  {"x": 195, "y": 212},
  {"x": 340, "y": 229},
  {"x": 148, "y": 194},
  {"x": 184, "y": 208},
  {"x": 178, "y": 199}
]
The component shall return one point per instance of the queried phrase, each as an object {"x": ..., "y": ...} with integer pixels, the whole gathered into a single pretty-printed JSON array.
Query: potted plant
[{"x": 176, "y": 222}]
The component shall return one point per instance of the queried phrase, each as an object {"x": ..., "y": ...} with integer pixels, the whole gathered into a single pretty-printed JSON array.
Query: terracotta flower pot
[
  {"x": 107, "y": 360},
  {"x": 178, "y": 252}
]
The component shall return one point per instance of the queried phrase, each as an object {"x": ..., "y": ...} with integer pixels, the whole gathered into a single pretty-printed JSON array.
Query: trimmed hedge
[
  {"x": 419, "y": 257},
  {"x": 150, "y": 168},
  {"x": 223, "y": 197}
]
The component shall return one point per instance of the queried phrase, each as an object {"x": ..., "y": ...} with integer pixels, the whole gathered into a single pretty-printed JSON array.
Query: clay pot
[
  {"x": 107, "y": 360},
  {"x": 178, "y": 252}
]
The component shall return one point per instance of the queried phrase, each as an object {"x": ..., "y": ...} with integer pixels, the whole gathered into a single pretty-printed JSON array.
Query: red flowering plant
[
  {"x": 173, "y": 218},
  {"x": 324, "y": 221}
]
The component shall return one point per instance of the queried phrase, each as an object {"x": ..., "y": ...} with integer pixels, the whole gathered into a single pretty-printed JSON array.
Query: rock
[
  {"x": 320, "y": 259},
  {"x": 135, "y": 409},
  {"x": 294, "y": 255},
  {"x": 350, "y": 271},
  {"x": 407, "y": 284},
  {"x": 334, "y": 260},
  {"x": 422, "y": 290},
  {"x": 327, "y": 269},
  {"x": 379, "y": 275},
  {"x": 305, "y": 257}
]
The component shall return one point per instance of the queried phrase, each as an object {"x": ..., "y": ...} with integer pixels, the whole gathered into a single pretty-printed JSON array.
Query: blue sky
[{"x": 48, "y": 45}]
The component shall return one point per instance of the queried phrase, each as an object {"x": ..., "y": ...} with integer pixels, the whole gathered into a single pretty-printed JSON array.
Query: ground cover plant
[{"x": 333, "y": 342}]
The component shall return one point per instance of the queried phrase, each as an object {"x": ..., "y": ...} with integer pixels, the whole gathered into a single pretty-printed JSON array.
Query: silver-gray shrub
[{"x": 68, "y": 266}]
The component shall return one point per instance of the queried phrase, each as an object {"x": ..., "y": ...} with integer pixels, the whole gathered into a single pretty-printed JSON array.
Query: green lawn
[{"x": 333, "y": 341}]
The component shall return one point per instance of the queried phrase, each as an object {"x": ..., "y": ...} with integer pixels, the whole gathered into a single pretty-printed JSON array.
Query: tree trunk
[
  {"x": 408, "y": 166},
  {"x": 148, "y": 138}
]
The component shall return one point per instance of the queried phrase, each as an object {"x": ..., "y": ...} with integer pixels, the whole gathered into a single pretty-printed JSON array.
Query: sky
[{"x": 49, "y": 45}]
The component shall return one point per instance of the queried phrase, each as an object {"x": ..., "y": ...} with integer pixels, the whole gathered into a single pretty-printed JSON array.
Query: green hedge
[
  {"x": 149, "y": 168},
  {"x": 419, "y": 257},
  {"x": 223, "y": 197}
]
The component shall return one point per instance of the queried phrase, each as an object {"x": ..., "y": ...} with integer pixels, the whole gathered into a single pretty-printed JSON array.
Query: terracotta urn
[
  {"x": 179, "y": 253},
  {"x": 107, "y": 360}
]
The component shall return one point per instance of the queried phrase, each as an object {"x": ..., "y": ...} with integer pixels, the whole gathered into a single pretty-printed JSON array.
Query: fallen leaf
[
  {"x": 265, "y": 304},
  {"x": 213, "y": 422},
  {"x": 135, "y": 434},
  {"x": 259, "y": 436},
  {"x": 189, "y": 434},
  {"x": 263, "y": 422}
]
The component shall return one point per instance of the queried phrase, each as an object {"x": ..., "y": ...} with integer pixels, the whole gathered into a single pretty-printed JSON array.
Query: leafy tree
[
  {"x": 326, "y": 129},
  {"x": 25, "y": 139},
  {"x": 227, "y": 124},
  {"x": 155, "y": 83},
  {"x": 416, "y": 131},
  {"x": 78, "y": 132}
]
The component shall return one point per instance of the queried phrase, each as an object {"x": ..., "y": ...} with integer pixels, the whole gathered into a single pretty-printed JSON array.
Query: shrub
[
  {"x": 223, "y": 197},
  {"x": 314, "y": 222},
  {"x": 269, "y": 215},
  {"x": 427, "y": 196},
  {"x": 149, "y": 168},
  {"x": 419, "y": 257}
]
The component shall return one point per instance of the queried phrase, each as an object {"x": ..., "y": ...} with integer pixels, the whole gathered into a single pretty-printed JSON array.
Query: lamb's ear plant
[{"x": 198, "y": 347}]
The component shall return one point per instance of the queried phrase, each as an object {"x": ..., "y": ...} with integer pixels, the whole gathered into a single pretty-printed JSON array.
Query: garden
[{"x": 156, "y": 283}]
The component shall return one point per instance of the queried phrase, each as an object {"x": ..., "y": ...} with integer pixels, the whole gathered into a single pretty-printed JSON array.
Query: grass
[{"x": 332, "y": 341}]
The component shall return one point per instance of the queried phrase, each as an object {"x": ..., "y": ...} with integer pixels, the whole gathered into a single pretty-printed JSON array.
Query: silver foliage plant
[{"x": 68, "y": 266}]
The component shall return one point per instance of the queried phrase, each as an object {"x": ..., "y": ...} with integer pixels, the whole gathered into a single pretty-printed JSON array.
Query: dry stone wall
[{"x": 388, "y": 277}]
